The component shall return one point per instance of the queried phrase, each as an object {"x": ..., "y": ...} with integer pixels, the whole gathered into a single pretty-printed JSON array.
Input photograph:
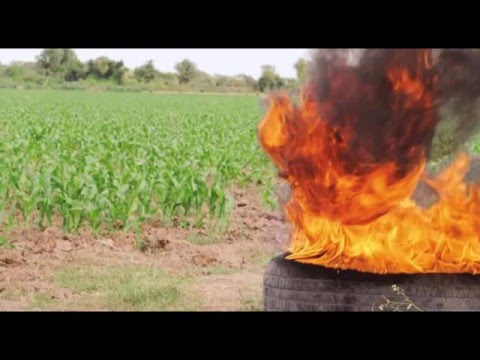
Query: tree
[
  {"x": 50, "y": 61},
  {"x": 186, "y": 71},
  {"x": 105, "y": 68},
  {"x": 54, "y": 61},
  {"x": 76, "y": 70},
  {"x": 119, "y": 71},
  {"x": 69, "y": 59},
  {"x": 269, "y": 79},
  {"x": 301, "y": 69},
  {"x": 99, "y": 67},
  {"x": 146, "y": 73},
  {"x": 60, "y": 62},
  {"x": 279, "y": 82}
]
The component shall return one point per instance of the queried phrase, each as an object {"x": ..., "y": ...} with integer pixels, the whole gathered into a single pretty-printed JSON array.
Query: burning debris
[{"x": 355, "y": 150}]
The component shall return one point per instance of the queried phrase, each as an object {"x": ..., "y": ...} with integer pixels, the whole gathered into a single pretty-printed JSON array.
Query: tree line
[{"x": 61, "y": 68}]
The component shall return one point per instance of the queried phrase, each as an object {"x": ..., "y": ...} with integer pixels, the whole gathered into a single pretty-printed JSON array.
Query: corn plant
[{"x": 105, "y": 159}]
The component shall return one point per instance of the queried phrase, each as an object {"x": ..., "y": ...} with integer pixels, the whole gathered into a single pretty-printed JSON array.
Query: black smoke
[
  {"x": 355, "y": 83},
  {"x": 356, "y": 96}
]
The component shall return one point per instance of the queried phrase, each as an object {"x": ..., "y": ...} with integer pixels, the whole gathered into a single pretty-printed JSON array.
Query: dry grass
[
  {"x": 117, "y": 288},
  {"x": 401, "y": 303},
  {"x": 251, "y": 300}
]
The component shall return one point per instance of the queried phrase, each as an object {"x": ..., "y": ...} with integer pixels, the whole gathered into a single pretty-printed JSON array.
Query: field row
[{"x": 106, "y": 158}]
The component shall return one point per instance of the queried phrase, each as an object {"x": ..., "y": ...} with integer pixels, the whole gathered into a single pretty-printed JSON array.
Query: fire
[{"x": 353, "y": 153}]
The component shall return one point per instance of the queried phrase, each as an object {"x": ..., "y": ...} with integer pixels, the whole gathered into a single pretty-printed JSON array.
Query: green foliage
[
  {"x": 14, "y": 71},
  {"x": 105, "y": 68},
  {"x": 50, "y": 61},
  {"x": 55, "y": 61},
  {"x": 301, "y": 69},
  {"x": 108, "y": 158},
  {"x": 61, "y": 69},
  {"x": 76, "y": 71},
  {"x": 146, "y": 73},
  {"x": 5, "y": 243},
  {"x": 457, "y": 126},
  {"x": 186, "y": 71},
  {"x": 99, "y": 67},
  {"x": 269, "y": 80}
]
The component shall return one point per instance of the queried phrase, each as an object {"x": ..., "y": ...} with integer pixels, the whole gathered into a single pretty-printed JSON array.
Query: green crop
[{"x": 107, "y": 158}]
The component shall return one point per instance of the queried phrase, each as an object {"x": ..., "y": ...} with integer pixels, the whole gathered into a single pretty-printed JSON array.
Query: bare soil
[{"x": 225, "y": 270}]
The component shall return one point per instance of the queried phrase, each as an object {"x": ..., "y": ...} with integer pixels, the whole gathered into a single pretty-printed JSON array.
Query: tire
[{"x": 292, "y": 286}]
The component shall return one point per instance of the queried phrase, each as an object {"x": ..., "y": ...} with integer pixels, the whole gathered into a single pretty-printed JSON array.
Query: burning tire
[
  {"x": 291, "y": 286},
  {"x": 353, "y": 151}
]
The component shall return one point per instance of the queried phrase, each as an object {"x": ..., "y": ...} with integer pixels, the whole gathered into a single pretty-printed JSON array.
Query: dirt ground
[{"x": 162, "y": 269}]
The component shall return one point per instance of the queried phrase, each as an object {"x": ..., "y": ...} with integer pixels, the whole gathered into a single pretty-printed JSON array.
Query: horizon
[{"x": 228, "y": 62}]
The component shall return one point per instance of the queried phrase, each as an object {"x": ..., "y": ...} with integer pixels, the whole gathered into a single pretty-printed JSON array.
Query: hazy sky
[{"x": 213, "y": 61}]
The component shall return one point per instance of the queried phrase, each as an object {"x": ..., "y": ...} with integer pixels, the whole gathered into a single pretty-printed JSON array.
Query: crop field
[
  {"x": 133, "y": 201},
  {"x": 114, "y": 159}
]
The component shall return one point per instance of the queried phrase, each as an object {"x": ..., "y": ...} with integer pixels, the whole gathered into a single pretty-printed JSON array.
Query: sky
[{"x": 213, "y": 61}]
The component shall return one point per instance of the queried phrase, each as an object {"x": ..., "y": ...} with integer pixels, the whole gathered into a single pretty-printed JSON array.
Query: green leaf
[{"x": 5, "y": 243}]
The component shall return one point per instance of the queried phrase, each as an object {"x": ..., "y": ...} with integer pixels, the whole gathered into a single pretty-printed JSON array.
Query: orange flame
[{"x": 358, "y": 215}]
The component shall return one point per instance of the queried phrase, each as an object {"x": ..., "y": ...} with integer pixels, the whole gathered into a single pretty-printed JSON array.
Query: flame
[{"x": 350, "y": 204}]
